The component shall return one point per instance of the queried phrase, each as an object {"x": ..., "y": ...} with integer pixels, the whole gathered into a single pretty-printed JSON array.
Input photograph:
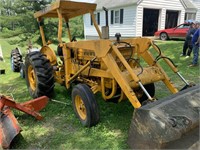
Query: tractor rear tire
[
  {"x": 39, "y": 75},
  {"x": 16, "y": 59},
  {"x": 85, "y": 105}
]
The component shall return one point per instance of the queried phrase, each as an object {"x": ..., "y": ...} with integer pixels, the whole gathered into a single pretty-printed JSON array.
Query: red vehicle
[{"x": 176, "y": 32}]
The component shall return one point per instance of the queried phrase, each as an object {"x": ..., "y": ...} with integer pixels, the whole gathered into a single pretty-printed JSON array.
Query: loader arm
[
  {"x": 104, "y": 50},
  {"x": 142, "y": 48},
  {"x": 123, "y": 83}
]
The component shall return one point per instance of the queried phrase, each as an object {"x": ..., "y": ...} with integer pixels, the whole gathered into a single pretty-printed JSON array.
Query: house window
[
  {"x": 190, "y": 16},
  {"x": 97, "y": 18},
  {"x": 117, "y": 16},
  {"x": 183, "y": 26}
]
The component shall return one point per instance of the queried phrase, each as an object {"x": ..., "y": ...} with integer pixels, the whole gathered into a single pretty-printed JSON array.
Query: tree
[
  {"x": 17, "y": 19},
  {"x": 77, "y": 27}
]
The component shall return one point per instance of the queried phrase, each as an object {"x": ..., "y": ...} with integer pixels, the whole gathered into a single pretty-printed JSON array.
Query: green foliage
[
  {"x": 77, "y": 27},
  {"x": 51, "y": 30},
  {"x": 17, "y": 19},
  {"x": 6, "y": 33}
]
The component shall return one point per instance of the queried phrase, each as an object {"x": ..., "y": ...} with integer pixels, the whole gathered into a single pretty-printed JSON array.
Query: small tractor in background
[
  {"x": 17, "y": 62},
  {"x": 120, "y": 69}
]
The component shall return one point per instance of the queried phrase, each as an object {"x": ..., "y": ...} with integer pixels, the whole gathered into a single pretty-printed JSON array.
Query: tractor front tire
[
  {"x": 39, "y": 75},
  {"x": 15, "y": 59},
  {"x": 85, "y": 105}
]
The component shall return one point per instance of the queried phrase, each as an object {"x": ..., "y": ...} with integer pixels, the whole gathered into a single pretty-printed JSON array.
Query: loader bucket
[
  {"x": 9, "y": 128},
  {"x": 172, "y": 122}
]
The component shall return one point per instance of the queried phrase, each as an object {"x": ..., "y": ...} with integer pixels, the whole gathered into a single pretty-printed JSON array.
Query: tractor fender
[{"x": 50, "y": 54}]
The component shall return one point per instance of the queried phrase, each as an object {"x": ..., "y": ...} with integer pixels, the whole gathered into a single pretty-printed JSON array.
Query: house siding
[
  {"x": 88, "y": 28},
  {"x": 133, "y": 17},
  {"x": 162, "y": 6},
  {"x": 139, "y": 21},
  {"x": 127, "y": 29},
  {"x": 197, "y": 5}
]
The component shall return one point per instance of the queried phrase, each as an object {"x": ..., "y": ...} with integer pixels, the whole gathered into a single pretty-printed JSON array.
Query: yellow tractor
[{"x": 114, "y": 68}]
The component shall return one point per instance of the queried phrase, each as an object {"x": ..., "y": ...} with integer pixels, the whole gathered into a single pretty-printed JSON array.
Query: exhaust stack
[{"x": 105, "y": 29}]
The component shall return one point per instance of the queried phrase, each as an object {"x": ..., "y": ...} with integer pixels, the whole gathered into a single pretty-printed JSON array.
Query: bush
[{"x": 6, "y": 33}]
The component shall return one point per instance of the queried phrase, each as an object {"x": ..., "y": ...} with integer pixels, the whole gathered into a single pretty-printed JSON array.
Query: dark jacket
[
  {"x": 190, "y": 33},
  {"x": 196, "y": 38}
]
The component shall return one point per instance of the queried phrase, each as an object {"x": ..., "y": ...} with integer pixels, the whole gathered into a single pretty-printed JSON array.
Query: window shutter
[
  {"x": 91, "y": 20},
  {"x": 121, "y": 16},
  {"x": 112, "y": 16},
  {"x": 98, "y": 18}
]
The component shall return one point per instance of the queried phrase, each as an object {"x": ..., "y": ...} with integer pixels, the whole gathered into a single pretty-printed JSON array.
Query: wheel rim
[
  {"x": 80, "y": 107},
  {"x": 163, "y": 36},
  {"x": 32, "y": 78}
]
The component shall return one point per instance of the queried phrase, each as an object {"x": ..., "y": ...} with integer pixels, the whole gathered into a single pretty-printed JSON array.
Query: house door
[
  {"x": 150, "y": 21},
  {"x": 171, "y": 19}
]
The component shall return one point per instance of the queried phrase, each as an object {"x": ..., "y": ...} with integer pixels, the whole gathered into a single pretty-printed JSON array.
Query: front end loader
[{"x": 120, "y": 69}]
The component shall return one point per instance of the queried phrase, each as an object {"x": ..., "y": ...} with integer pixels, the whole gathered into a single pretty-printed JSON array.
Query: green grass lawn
[{"x": 60, "y": 128}]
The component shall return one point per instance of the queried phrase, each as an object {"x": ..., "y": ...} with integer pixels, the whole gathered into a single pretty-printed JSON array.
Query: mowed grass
[{"x": 61, "y": 129}]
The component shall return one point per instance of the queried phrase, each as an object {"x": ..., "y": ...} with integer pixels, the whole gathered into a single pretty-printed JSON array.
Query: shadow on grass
[
  {"x": 61, "y": 128},
  {"x": 16, "y": 87},
  {"x": 65, "y": 131}
]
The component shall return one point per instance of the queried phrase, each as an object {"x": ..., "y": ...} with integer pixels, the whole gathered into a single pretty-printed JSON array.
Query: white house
[
  {"x": 134, "y": 18},
  {"x": 197, "y": 5},
  {"x": 192, "y": 9}
]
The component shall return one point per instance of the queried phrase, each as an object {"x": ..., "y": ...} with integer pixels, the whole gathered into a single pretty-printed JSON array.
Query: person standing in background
[
  {"x": 196, "y": 45},
  {"x": 188, "y": 41}
]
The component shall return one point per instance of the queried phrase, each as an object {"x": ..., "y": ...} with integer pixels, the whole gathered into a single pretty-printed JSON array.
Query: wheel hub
[
  {"x": 32, "y": 78},
  {"x": 80, "y": 106}
]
